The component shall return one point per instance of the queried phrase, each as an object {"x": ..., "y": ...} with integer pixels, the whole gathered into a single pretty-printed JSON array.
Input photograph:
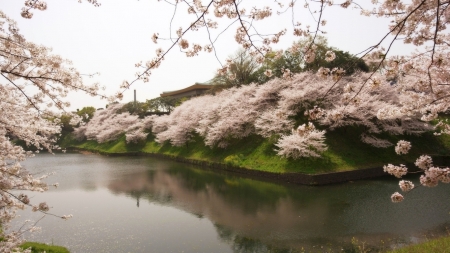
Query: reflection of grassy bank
[
  {"x": 441, "y": 245},
  {"x": 245, "y": 244},
  {"x": 346, "y": 152}
]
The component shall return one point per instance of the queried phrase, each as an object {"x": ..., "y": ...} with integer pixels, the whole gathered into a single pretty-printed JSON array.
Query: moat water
[{"x": 142, "y": 204}]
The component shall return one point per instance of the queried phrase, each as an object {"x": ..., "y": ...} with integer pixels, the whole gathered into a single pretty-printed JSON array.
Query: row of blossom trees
[{"x": 302, "y": 101}]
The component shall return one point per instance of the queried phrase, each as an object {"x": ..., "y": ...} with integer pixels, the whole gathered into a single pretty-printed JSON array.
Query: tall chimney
[{"x": 135, "y": 98}]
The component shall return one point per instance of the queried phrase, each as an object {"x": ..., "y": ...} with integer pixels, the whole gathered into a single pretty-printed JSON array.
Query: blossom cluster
[
  {"x": 42, "y": 6},
  {"x": 397, "y": 171},
  {"x": 424, "y": 162},
  {"x": 402, "y": 147},
  {"x": 306, "y": 141},
  {"x": 109, "y": 124},
  {"x": 397, "y": 197},
  {"x": 406, "y": 185},
  {"x": 431, "y": 177}
]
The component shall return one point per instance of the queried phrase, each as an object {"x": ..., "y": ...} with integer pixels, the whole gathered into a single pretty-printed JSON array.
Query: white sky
[{"x": 111, "y": 38}]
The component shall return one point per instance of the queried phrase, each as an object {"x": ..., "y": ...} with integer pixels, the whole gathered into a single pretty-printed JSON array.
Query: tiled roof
[{"x": 196, "y": 86}]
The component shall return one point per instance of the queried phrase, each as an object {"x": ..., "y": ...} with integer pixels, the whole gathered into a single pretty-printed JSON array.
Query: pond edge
[{"x": 289, "y": 177}]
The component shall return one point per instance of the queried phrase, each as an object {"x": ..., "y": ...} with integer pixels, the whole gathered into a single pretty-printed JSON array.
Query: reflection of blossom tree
[
  {"x": 244, "y": 244},
  {"x": 251, "y": 213}
]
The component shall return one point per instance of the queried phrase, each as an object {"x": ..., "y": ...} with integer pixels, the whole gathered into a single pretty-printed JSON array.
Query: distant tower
[{"x": 135, "y": 98}]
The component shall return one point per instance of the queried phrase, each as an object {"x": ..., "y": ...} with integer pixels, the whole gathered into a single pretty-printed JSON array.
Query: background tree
[
  {"x": 342, "y": 59},
  {"x": 162, "y": 104},
  {"x": 138, "y": 108},
  {"x": 86, "y": 113},
  {"x": 241, "y": 70},
  {"x": 293, "y": 60},
  {"x": 66, "y": 119},
  {"x": 66, "y": 126}
]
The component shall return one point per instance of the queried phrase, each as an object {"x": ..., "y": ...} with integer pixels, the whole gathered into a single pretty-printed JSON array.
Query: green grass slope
[
  {"x": 345, "y": 152},
  {"x": 41, "y": 247}
]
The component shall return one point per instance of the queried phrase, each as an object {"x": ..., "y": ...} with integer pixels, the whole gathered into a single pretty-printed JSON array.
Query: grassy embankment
[
  {"x": 345, "y": 152},
  {"x": 441, "y": 245},
  {"x": 41, "y": 247}
]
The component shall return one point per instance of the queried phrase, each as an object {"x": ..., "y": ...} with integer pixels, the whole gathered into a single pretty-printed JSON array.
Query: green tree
[
  {"x": 136, "y": 108},
  {"x": 241, "y": 71},
  {"x": 87, "y": 110},
  {"x": 163, "y": 104},
  {"x": 277, "y": 64},
  {"x": 66, "y": 127},
  {"x": 65, "y": 119},
  {"x": 292, "y": 59}
]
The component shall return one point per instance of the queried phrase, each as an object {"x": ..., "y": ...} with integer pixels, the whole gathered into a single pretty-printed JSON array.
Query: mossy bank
[{"x": 347, "y": 158}]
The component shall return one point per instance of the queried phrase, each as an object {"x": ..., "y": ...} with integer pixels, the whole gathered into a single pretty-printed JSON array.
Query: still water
[{"x": 142, "y": 204}]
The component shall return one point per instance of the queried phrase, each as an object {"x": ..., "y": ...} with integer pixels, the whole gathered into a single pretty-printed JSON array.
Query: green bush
[{"x": 234, "y": 160}]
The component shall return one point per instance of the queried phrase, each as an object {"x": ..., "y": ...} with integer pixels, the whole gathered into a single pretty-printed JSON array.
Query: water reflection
[
  {"x": 248, "y": 212},
  {"x": 173, "y": 207}
]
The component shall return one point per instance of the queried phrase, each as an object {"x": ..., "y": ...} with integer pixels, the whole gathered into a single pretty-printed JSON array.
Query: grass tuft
[{"x": 41, "y": 247}]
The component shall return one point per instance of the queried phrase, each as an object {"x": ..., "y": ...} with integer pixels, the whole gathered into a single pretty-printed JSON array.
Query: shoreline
[{"x": 290, "y": 177}]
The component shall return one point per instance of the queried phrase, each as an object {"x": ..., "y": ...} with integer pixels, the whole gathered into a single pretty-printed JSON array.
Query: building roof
[{"x": 196, "y": 86}]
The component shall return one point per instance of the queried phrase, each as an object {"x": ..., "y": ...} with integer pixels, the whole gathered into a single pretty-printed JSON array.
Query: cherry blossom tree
[
  {"x": 111, "y": 123},
  {"x": 306, "y": 141},
  {"x": 32, "y": 82}
]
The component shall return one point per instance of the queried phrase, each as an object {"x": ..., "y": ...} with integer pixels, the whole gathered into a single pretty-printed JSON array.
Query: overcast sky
[{"x": 111, "y": 38}]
